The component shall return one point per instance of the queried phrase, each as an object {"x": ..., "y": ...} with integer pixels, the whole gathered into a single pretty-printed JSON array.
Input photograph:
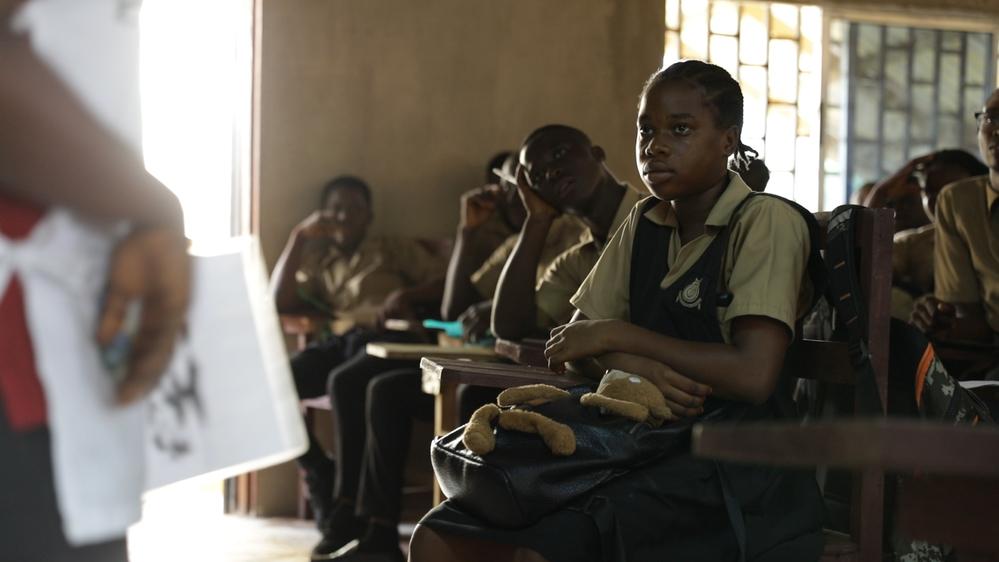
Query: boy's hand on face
[
  {"x": 537, "y": 208},
  {"x": 578, "y": 340},
  {"x": 478, "y": 205},
  {"x": 315, "y": 227},
  {"x": 906, "y": 184},
  {"x": 475, "y": 321},
  {"x": 152, "y": 266},
  {"x": 932, "y": 316}
]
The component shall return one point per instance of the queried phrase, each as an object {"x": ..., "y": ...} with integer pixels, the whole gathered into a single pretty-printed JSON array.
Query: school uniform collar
[
  {"x": 628, "y": 200},
  {"x": 991, "y": 195},
  {"x": 369, "y": 244},
  {"x": 721, "y": 214}
]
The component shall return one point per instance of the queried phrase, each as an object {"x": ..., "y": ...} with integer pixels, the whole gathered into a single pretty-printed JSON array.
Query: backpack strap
[{"x": 846, "y": 297}]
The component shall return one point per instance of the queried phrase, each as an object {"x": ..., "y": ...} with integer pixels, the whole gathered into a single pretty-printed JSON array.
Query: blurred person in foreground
[{"x": 57, "y": 154}]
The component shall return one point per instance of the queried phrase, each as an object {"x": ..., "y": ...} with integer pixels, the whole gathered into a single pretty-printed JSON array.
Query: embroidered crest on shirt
[{"x": 690, "y": 296}]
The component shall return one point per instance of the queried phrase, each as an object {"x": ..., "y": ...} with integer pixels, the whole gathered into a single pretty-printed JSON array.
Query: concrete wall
[{"x": 414, "y": 96}]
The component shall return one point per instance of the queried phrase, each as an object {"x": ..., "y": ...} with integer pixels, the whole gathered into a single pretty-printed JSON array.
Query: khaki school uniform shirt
[
  {"x": 355, "y": 287},
  {"x": 566, "y": 273},
  {"x": 912, "y": 268},
  {"x": 764, "y": 263},
  {"x": 912, "y": 257},
  {"x": 966, "y": 259},
  {"x": 565, "y": 232}
]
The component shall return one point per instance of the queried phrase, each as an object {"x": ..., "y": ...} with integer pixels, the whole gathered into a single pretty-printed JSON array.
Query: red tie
[{"x": 20, "y": 389}]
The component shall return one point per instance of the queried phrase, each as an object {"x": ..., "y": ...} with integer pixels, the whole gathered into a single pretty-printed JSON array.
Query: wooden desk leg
[{"x": 445, "y": 419}]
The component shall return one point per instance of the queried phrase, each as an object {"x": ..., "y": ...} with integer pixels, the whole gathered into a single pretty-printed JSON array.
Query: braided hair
[{"x": 724, "y": 96}]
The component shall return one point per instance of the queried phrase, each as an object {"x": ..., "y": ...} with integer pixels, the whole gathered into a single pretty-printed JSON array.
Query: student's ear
[
  {"x": 598, "y": 153},
  {"x": 730, "y": 141}
]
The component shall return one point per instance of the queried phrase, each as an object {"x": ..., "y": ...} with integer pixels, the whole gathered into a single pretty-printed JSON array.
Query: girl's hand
[
  {"x": 579, "y": 339},
  {"x": 684, "y": 396}
]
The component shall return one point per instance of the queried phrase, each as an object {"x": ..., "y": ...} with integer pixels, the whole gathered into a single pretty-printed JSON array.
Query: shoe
[{"x": 339, "y": 528}]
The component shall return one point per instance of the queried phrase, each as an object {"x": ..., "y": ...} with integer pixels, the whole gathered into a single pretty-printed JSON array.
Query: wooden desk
[
  {"x": 949, "y": 474},
  {"x": 441, "y": 377},
  {"x": 417, "y": 351},
  {"x": 523, "y": 352}
]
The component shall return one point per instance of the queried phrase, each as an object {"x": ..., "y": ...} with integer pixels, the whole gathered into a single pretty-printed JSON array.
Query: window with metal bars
[
  {"x": 886, "y": 91},
  {"x": 907, "y": 91}
]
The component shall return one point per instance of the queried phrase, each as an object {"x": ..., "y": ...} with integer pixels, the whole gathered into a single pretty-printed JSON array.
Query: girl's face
[{"x": 679, "y": 148}]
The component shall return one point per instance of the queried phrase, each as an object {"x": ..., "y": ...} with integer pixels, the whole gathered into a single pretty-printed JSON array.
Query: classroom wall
[{"x": 415, "y": 96}]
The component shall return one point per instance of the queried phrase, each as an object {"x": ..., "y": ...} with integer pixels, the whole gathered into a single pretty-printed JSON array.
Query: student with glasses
[{"x": 965, "y": 303}]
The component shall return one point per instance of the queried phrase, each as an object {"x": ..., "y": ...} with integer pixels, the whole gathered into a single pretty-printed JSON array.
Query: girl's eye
[
  {"x": 682, "y": 129},
  {"x": 645, "y": 131}
]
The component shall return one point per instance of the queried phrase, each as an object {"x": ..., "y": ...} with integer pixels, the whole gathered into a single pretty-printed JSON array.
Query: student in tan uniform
[
  {"x": 662, "y": 312},
  {"x": 912, "y": 251},
  {"x": 374, "y": 400},
  {"x": 565, "y": 232},
  {"x": 965, "y": 304},
  {"x": 490, "y": 215},
  {"x": 331, "y": 266},
  {"x": 900, "y": 192},
  {"x": 561, "y": 172}
]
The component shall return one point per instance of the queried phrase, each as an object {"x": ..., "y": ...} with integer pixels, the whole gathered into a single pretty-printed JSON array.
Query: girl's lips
[{"x": 655, "y": 177}]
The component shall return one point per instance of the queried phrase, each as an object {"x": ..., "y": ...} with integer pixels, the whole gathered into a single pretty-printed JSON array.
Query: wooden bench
[{"x": 950, "y": 483}]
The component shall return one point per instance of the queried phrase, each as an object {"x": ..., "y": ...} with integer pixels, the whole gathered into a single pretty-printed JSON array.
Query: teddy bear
[{"x": 624, "y": 394}]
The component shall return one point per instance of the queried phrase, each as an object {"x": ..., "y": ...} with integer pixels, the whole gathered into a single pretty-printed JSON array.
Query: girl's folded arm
[{"x": 746, "y": 369}]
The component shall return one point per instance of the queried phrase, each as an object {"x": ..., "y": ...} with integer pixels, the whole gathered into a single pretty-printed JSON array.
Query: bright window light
[{"x": 194, "y": 89}]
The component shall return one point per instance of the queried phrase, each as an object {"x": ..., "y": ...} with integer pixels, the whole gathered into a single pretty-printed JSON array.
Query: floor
[{"x": 186, "y": 523}]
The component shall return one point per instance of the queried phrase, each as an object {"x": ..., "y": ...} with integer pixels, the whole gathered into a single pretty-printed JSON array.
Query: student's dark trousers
[
  {"x": 30, "y": 525},
  {"x": 342, "y": 369},
  {"x": 373, "y": 404},
  {"x": 394, "y": 398}
]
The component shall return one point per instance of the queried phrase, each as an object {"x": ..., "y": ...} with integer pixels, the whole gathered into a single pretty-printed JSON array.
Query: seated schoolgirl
[{"x": 703, "y": 280}]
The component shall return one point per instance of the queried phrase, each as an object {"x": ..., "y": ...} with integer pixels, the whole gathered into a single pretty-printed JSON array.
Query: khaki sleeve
[
  {"x": 560, "y": 282},
  {"x": 415, "y": 262},
  {"x": 769, "y": 249},
  {"x": 955, "y": 280},
  {"x": 486, "y": 278},
  {"x": 604, "y": 292}
]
